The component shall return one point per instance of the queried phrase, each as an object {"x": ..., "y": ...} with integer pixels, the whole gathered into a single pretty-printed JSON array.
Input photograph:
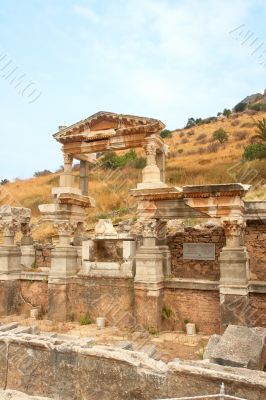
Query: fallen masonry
[
  {"x": 239, "y": 346},
  {"x": 62, "y": 367}
]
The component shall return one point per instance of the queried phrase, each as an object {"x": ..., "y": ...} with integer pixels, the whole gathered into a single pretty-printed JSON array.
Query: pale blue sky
[{"x": 168, "y": 59}]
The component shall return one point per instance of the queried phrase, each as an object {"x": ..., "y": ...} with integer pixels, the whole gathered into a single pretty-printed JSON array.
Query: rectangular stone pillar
[
  {"x": 84, "y": 178},
  {"x": 148, "y": 283},
  {"x": 234, "y": 275},
  {"x": 160, "y": 161},
  {"x": 67, "y": 178},
  {"x": 64, "y": 266}
]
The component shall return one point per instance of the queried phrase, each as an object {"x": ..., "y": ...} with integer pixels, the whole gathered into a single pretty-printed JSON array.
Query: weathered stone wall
[
  {"x": 196, "y": 269},
  {"x": 33, "y": 294},
  {"x": 112, "y": 298},
  {"x": 198, "y": 306},
  {"x": 61, "y": 370},
  {"x": 9, "y": 297},
  {"x": 256, "y": 245},
  {"x": 257, "y": 309},
  {"x": 43, "y": 255}
]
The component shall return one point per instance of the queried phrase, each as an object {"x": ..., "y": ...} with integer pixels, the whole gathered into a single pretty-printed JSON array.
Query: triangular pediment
[{"x": 105, "y": 123}]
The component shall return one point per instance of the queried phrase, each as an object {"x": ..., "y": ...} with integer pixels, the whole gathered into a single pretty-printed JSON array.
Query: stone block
[
  {"x": 27, "y": 256},
  {"x": 212, "y": 343},
  {"x": 123, "y": 345},
  {"x": 64, "y": 262},
  {"x": 241, "y": 347},
  {"x": 10, "y": 260}
]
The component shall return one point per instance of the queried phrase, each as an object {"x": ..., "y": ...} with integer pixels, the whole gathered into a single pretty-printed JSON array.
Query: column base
[
  {"x": 57, "y": 301},
  {"x": 10, "y": 262},
  {"x": 234, "y": 266},
  {"x": 149, "y": 265},
  {"x": 234, "y": 309},
  {"x": 148, "y": 306},
  {"x": 28, "y": 256},
  {"x": 64, "y": 262}
]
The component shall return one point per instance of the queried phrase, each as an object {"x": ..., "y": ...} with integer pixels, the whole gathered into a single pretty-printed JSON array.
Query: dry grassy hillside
[{"x": 194, "y": 158}]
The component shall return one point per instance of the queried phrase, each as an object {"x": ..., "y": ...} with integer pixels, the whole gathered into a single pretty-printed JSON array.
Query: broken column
[
  {"x": 148, "y": 283},
  {"x": 67, "y": 215},
  {"x": 234, "y": 274},
  {"x": 11, "y": 219},
  {"x": 27, "y": 248},
  {"x": 66, "y": 178},
  {"x": 152, "y": 174}
]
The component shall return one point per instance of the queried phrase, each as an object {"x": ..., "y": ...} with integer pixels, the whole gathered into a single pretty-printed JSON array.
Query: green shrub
[
  {"x": 227, "y": 112},
  {"x": 166, "y": 312},
  {"x": 111, "y": 160},
  {"x": 42, "y": 173},
  {"x": 166, "y": 133},
  {"x": 140, "y": 162},
  {"x": 255, "y": 151},
  {"x": 240, "y": 107},
  {"x": 257, "y": 107},
  {"x": 85, "y": 320},
  {"x": 4, "y": 182},
  {"x": 199, "y": 121},
  {"x": 220, "y": 135}
]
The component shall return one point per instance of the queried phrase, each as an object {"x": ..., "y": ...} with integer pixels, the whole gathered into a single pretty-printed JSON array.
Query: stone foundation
[{"x": 55, "y": 367}]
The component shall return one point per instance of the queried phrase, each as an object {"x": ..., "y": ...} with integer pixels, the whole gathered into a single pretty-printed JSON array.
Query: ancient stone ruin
[{"x": 150, "y": 274}]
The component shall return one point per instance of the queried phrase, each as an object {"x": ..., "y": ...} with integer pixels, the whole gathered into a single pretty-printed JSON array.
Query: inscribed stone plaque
[{"x": 198, "y": 251}]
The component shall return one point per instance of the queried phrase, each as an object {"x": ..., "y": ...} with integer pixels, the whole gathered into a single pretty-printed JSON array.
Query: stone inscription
[{"x": 198, "y": 251}]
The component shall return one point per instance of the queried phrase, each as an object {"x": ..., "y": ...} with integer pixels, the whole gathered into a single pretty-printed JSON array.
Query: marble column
[
  {"x": 64, "y": 256},
  {"x": 27, "y": 249},
  {"x": 10, "y": 253},
  {"x": 64, "y": 266},
  {"x": 148, "y": 282},
  {"x": 151, "y": 174},
  {"x": 84, "y": 178},
  {"x": 67, "y": 178},
  {"x": 234, "y": 275}
]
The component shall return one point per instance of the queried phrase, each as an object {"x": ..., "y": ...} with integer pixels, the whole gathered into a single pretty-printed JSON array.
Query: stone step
[
  {"x": 22, "y": 329},
  {"x": 8, "y": 327},
  {"x": 123, "y": 345},
  {"x": 150, "y": 350}
]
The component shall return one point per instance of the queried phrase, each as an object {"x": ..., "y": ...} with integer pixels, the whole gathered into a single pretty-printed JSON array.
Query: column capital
[
  {"x": 68, "y": 158},
  {"x": 65, "y": 228},
  {"x": 9, "y": 228},
  {"x": 233, "y": 226},
  {"x": 150, "y": 228}
]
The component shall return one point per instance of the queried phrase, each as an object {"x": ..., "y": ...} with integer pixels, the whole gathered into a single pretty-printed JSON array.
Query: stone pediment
[{"x": 104, "y": 125}]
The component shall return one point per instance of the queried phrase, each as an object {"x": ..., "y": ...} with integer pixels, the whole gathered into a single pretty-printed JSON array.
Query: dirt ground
[{"x": 169, "y": 345}]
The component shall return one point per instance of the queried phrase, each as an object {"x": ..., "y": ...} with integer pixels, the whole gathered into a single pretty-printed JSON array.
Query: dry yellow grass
[{"x": 189, "y": 163}]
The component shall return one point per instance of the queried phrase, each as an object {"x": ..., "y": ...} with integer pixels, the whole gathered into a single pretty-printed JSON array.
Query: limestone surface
[{"x": 242, "y": 347}]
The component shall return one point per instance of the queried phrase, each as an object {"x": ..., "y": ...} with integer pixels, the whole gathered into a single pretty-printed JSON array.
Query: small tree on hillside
[
  {"x": 257, "y": 150},
  {"x": 240, "y": 107},
  {"x": 166, "y": 133},
  {"x": 4, "y": 182},
  {"x": 227, "y": 112},
  {"x": 220, "y": 135},
  {"x": 261, "y": 130}
]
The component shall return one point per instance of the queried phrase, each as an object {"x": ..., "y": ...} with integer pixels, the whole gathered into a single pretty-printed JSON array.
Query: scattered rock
[
  {"x": 241, "y": 347},
  {"x": 213, "y": 341}
]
